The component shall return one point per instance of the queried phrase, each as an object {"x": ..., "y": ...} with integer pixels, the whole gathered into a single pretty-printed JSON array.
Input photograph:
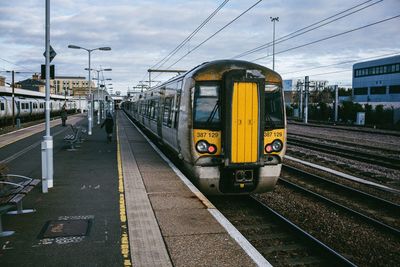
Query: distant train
[
  {"x": 29, "y": 108},
  {"x": 224, "y": 119}
]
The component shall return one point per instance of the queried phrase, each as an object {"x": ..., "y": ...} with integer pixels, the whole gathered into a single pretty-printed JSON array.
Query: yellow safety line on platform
[{"x": 122, "y": 210}]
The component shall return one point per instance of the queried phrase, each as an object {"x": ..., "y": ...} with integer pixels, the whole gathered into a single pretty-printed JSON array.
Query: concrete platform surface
[{"x": 140, "y": 212}]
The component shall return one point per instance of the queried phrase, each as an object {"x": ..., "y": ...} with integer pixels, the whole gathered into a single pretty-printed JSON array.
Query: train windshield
[
  {"x": 273, "y": 107},
  {"x": 206, "y": 106}
]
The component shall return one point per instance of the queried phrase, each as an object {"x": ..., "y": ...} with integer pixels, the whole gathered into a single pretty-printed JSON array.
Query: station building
[{"x": 377, "y": 82}]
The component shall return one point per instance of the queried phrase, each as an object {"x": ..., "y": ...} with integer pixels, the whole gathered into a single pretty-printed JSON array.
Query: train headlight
[
  {"x": 202, "y": 146},
  {"x": 277, "y": 145}
]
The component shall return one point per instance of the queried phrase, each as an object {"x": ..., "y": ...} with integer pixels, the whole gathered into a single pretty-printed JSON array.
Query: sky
[{"x": 141, "y": 33}]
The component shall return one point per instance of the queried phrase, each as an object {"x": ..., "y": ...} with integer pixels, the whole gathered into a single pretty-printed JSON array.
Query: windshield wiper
[
  {"x": 269, "y": 121},
  {"x": 213, "y": 112}
]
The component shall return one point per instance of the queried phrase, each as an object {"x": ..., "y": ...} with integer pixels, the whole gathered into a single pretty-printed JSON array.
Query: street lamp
[
  {"x": 273, "y": 42},
  {"x": 98, "y": 92},
  {"x": 90, "y": 113}
]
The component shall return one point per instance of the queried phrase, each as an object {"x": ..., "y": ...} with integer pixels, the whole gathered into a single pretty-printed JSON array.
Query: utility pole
[
  {"x": 273, "y": 41},
  {"x": 13, "y": 104},
  {"x": 47, "y": 143},
  {"x": 306, "y": 92}
]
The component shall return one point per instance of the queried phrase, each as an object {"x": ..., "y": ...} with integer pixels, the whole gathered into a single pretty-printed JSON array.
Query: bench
[
  {"x": 13, "y": 188},
  {"x": 74, "y": 138}
]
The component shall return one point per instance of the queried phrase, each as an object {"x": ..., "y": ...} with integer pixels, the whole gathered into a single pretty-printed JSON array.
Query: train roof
[
  {"x": 214, "y": 70},
  {"x": 7, "y": 91}
]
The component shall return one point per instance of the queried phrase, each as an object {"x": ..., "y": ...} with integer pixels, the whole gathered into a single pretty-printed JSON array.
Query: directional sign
[{"x": 52, "y": 53}]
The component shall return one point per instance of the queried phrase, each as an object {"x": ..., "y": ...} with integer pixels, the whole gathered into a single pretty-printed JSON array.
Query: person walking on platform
[
  {"x": 63, "y": 115},
  {"x": 109, "y": 123}
]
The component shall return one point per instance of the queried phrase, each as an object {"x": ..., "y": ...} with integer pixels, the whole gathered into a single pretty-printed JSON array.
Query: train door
[
  {"x": 243, "y": 129},
  {"x": 18, "y": 105},
  {"x": 160, "y": 117}
]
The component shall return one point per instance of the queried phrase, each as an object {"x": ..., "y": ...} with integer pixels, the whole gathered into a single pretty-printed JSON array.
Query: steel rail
[
  {"x": 345, "y": 128},
  {"x": 380, "y": 225},
  {"x": 344, "y": 143},
  {"x": 348, "y": 153},
  {"x": 334, "y": 257},
  {"x": 391, "y": 206}
]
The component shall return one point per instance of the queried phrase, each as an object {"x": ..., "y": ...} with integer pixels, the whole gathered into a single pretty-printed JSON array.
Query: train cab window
[
  {"x": 206, "y": 112},
  {"x": 2, "y": 106},
  {"x": 273, "y": 107}
]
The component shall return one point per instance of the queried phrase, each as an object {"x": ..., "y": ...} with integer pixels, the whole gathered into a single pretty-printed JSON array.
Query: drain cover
[{"x": 64, "y": 228}]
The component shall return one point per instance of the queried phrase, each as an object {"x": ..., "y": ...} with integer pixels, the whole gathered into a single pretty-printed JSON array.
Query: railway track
[
  {"x": 347, "y": 128},
  {"x": 388, "y": 162},
  {"x": 383, "y": 214},
  {"x": 349, "y": 144},
  {"x": 280, "y": 241}
]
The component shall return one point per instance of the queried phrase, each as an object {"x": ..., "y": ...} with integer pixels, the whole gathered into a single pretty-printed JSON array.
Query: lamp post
[
  {"x": 98, "y": 92},
  {"x": 90, "y": 113},
  {"x": 273, "y": 42}
]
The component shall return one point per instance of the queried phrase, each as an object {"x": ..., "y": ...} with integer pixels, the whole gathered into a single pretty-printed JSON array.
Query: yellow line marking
[{"x": 122, "y": 209}]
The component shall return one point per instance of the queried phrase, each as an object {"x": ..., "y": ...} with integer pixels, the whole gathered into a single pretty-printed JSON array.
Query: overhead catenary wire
[
  {"x": 331, "y": 36},
  {"x": 342, "y": 63},
  {"x": 189, "y": 37},
  {"x": 307, "y": 29},
  {"x": 211, "y": 36},
  {"x": 5, "y": 60}
]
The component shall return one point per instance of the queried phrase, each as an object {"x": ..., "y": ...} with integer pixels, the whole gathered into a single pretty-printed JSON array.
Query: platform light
[{"x": 90, "y": 111}]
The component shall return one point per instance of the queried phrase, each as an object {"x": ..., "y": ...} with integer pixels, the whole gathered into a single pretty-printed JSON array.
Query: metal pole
[
  {"x": 273, "y": 42},
  {"x": 13, "y": 104},
  {"x": 306, "y": 89},
  {"x": 150, "y": 79},
  {"x": 47, "y": 143},
  {"x": 98, "y": 96},
  {"x": 90, "y": 100},
  {"x": 273, "y": 49},
  {"x": 301, "y": 102},
  {"x": 336, "y": 102}
]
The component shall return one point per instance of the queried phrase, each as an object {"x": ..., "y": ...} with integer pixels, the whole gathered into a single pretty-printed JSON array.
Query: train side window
[
  {"x": 167, "y": 111},
  {"x": 157, "y": 109},
  {"x": 2, "y": 107},
  {"x": 152, "y": 109}
]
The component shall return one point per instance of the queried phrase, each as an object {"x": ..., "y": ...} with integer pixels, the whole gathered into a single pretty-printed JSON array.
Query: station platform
[{"x": 114, "y": 204}]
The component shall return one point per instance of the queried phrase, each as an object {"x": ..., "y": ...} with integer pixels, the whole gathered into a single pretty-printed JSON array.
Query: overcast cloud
[{"x": 141, "y": 33}]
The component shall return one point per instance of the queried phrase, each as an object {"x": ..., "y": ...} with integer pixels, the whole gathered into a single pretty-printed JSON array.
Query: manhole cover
[{"x": 64, "y": 228}]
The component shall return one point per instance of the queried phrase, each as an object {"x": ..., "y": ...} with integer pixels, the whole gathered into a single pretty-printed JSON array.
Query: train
[
  {"x": 224, "y": 120},
  {"x": 26, "y": 108}
]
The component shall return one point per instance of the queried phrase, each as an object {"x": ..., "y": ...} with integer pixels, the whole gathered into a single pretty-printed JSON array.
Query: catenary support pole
[
  {"x": 336, "y": 102},
  {"x": 306, "y": 93}
]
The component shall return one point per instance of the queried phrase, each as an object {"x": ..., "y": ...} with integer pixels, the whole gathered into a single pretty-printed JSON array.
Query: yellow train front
[{"x": 225, "y": 120}]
